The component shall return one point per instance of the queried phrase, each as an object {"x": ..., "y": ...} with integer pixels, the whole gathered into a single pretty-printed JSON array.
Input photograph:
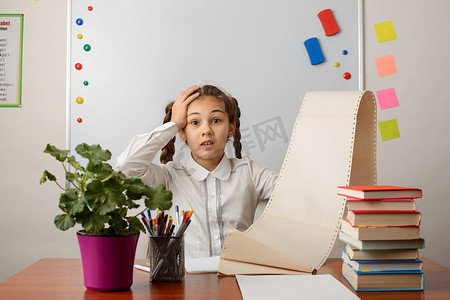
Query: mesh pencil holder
[{"x": 167, "y": 259}]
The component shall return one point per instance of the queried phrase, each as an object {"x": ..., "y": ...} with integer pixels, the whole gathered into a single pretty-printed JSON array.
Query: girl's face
[{"x": 207, "y": 131}]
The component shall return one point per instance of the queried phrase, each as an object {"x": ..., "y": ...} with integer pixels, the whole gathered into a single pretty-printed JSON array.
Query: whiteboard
[{"x": 145, "y": 52}]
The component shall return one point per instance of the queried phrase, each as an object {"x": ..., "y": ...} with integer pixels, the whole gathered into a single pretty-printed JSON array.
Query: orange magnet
[{"x": 347, "y": 75}]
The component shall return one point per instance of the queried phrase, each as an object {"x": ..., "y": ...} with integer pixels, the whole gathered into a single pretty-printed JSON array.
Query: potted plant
[{"x": 100, "y": 199}]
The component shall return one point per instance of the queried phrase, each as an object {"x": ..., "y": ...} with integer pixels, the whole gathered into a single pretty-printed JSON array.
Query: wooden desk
[{"x": 55, "y": 279}]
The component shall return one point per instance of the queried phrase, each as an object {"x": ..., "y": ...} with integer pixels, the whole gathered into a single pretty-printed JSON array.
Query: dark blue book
[{"x": 398, "y": 266}]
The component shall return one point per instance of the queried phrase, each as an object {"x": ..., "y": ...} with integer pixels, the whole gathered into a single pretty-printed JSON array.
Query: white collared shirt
[{"x": 224, "y": 198}]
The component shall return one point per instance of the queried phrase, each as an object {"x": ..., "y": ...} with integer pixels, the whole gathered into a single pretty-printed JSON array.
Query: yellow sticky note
[
  {"x": 389, "y": 130},
  {"x": 385, "y": 65},
  {"x": 385, "y": 31}
]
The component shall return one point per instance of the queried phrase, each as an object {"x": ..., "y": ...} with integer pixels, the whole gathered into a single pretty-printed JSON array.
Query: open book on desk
[
  {"x": 332, "y": 144},
  {"x": 202, "y": 264},
  {"x": 193, "y": 265}
]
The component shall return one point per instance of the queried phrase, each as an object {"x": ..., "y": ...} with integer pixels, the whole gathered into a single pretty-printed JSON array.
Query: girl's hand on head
[{"x": 179, "y": 108}]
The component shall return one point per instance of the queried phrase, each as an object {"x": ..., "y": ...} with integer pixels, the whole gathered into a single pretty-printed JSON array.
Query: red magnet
[
  {"x": 78, "y": 66},
  {"x": 89, "y": 8},
  {"x": 347, "y": 75},
  {"x": 328, "y": 22},
  {"x": 79, "y": 120}
]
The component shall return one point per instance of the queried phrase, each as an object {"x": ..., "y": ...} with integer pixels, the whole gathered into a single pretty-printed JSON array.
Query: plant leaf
[
  {"x": 117, "y": 197},
  {"x": 94, "y": 153},
  {"x": 47, "y": 175},
  {"x": 67, "y": 198},
  {"x": 117, "y": 224},
  {"x": 60, "y": 155},
  {"x": 70, "y": 203},
  {"x": 113, "y": 183},
  {"x": 159, "y": 197},
  {"x": 134, "y": 225},
  {"x": 108, "y": 203},
  {"x": 105, "y": 171},
  {"x": 64, "y": 222},
  {"x": 73, "y": 162},
  {"x": 136, "y": 188},
  {"x": 94, "y": 191},
  {"x": 76, "y": 207},
  {"x": 93, "y": 222},
  {"x": 136, "y": 185}
]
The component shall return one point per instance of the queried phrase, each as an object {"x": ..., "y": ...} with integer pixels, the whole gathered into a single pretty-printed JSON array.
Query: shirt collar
[{"x": 222, "y": 171}]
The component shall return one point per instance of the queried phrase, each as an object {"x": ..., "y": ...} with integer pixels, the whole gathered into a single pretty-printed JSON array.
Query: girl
[{"x": 223, "y": 192}]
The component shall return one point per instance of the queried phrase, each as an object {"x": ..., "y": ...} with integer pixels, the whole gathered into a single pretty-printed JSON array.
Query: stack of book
[{"x": 382, "y": 235}]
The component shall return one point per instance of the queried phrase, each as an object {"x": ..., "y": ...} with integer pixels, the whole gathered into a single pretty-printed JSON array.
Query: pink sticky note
[
  {"x": 385, "y": 65},
  {"x": 387, "y": 98}
]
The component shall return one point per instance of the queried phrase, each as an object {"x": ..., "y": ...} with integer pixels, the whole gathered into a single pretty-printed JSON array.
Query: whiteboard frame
[{"x": 69, "y": 133}]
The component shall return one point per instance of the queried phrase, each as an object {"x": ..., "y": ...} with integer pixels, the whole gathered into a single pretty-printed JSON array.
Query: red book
[{"x": 379, "y": 192}]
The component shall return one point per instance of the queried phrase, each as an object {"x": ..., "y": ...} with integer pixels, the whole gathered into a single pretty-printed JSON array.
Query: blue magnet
[
  {"x": 344, "y": 52},
  {"x": 314, "y": 51},
  {"x": 79, "y": 21}
]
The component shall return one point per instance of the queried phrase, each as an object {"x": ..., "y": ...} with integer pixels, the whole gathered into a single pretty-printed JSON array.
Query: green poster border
[{"x": 19, "y": 98}]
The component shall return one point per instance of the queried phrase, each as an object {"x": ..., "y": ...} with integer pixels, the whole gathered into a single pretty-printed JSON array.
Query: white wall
[
  {"x": 419, "y": 158},
  {"x": 27, "y": 209}
]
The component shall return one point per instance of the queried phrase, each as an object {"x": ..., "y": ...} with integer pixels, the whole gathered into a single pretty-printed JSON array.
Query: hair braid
[
  {"x": 237, "y": 133},
  {"x": 169, "y": 150}
]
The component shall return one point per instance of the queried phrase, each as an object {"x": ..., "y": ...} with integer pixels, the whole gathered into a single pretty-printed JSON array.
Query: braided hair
[
  {"x": 231, "y": 108},
  {"x": 169, "y": 150}
]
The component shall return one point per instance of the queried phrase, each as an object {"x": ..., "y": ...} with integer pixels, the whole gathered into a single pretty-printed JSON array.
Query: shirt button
[{"x": 216, "y": 237}]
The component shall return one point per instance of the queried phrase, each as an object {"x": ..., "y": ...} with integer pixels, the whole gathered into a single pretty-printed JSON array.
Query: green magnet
[
  {"x": 87, "y": 47},
  {"x": 85, "y": 82}
]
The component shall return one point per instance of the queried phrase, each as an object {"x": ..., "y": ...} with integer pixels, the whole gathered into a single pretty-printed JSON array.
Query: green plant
[{"x": 100, "y": 195}]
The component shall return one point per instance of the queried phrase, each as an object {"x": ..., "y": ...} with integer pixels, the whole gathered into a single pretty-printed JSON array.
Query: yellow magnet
[
  {"x": 80, "y": 36},
  {"x": 79, "y": 100},
  {"x": 336, "y": 64}
]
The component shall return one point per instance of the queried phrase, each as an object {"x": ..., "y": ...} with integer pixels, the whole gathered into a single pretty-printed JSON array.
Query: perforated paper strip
[{"x": 333, "y": 143}]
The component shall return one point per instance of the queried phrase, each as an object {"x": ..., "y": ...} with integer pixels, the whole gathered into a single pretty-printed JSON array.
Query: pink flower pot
[{"x": 107, "y": 261}]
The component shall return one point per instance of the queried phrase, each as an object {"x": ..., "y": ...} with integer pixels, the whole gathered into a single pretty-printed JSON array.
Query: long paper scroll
[{"x": 333, "y": 143}]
